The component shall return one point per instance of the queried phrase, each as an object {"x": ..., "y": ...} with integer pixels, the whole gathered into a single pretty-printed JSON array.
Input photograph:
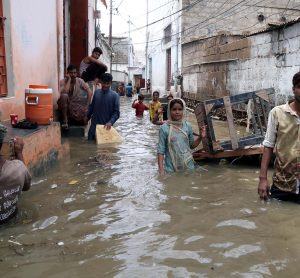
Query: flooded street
[{"x": 105, "y": 213}]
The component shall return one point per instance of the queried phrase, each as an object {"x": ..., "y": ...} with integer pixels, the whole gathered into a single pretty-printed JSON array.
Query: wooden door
[
  {"x": 3, "y": 77},
  {"x": 79, "y": 31}
]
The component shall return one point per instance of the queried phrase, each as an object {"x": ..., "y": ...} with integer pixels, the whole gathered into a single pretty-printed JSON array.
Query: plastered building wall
[
  {"x": 157, "y": 49},
  {"x": 224, "y": 65},
  {"x": 31, "y": 50},
  {"x": 209, "y": 18}
]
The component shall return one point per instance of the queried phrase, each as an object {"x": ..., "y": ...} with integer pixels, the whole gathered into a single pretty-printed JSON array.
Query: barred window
[{"x": 168, "y": 34}]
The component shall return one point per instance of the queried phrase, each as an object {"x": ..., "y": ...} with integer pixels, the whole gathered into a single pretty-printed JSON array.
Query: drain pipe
[{"x": 60, "y": 37}]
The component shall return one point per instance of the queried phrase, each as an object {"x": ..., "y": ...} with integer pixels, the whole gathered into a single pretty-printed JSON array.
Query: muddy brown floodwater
[{"x": 119, "y": 219}]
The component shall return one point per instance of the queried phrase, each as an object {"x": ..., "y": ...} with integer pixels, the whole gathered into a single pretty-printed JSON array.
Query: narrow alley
[
  {"x": 203, "y": 98},
  {"x": 105, "y": 213}
]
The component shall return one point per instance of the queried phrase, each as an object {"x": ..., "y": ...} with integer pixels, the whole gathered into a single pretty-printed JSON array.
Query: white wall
[
  {"x": 157, "y": 48},
  {"x": 275, "y": 58},
  {"x": 120, "y": 76},
  {"x": 31, "y": 32},
  {"x": 91, "y": 26},
  {"x": 120, "y": 67}
]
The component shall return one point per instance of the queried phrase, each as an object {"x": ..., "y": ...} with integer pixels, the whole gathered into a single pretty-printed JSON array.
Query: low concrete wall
[{"x": 42, "y": 148}]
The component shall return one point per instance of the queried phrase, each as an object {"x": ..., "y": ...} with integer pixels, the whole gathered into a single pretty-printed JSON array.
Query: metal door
[{"x": 79, "y": 30}]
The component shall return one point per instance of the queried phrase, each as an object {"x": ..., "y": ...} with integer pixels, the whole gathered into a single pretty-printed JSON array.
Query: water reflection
[{"x": 110, "y": 215}]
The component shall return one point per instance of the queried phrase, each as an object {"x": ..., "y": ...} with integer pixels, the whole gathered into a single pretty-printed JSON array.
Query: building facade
[
  {"x": 36, "y": 47},
  {"x": 164, "y": 46}
]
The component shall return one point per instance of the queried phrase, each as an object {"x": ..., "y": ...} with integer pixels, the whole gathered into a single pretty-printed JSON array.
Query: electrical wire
[
  {"x": 197, "y": 24},
  {"x": 208, "y": 24},
  {"x": 119, "y": 5},
  {"x": 163, "y": 18}
]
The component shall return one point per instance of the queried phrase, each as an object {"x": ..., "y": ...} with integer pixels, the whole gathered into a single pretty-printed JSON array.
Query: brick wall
[{"x": 226, "y": 65}]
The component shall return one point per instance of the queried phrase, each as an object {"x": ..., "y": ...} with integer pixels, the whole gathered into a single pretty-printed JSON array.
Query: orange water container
[{"x": 39, "y": 104}]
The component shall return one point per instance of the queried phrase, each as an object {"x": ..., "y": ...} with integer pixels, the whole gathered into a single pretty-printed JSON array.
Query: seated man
[
  {"x": 14, "y": 178},
  {"x": 75, "y": 98},
  {"x": 91, "y": 68}
]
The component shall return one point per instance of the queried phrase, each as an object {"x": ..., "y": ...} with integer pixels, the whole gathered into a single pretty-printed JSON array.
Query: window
[{"x": 168, "y": 34}]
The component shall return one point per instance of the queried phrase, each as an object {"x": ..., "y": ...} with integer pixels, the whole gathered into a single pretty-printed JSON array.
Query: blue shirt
[
  {"x": 163, "y": 144},
  {"x": 105, "y": 108},
  {"x": 129, "y": 91}
]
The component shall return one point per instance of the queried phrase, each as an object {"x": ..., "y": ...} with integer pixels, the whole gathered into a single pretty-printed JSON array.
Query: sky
[{"x": 122, "y": 9}]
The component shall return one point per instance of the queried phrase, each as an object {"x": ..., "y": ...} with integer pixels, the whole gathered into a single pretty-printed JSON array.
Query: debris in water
[
  {"x": 14, "y": 242},
  {"x": 61, "y": 243},
  {"x": 53, "y": 186},
  {"x": 72, "y": 182}
]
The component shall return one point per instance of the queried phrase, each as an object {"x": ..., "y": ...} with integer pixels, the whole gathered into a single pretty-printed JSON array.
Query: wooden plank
[
  {"x": 231, "y": 127},
  {"x": 243, "y": 142},
  {"x": 258, "y": 116},
  {"x": 240, "y": 98},
  {"x": 202, "y": 120},
  {"x": 229, "y": 153},
  {"x": 263, "y": 112},
  {"x": 208, "y": 108},
  {"x": 263, "y": 94}
]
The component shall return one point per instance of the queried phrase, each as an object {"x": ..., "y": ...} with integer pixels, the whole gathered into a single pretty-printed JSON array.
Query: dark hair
[
  {"x": 106, "y": 77},
  {"x": 71, "y": 67},
  {"x": 141, "y": 97},
  {"x": 97, "y": 49},
  {"x": 174, "y": 101},
  {"x": 170, "y": 96},
  {"x": 296, "y": 79},
  {"x": 155, "y": 92}
]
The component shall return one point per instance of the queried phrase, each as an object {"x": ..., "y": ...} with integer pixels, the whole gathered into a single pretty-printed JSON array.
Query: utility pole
[
  {"x": 110, "y": 33},
  {"x": 129, "y": 50},
  {"x": 147, "y": 38},
  {"x": 177, "y": 38}
]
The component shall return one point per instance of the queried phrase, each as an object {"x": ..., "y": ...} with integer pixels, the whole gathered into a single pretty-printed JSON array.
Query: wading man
[
  {"x": 282, "y": 138},
  {"x": 14, "y": 178},
  {"x": 105, "y": 107}
]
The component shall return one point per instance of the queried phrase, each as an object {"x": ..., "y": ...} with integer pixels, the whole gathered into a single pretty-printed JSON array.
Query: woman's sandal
[{"x": 65, "y": 126}]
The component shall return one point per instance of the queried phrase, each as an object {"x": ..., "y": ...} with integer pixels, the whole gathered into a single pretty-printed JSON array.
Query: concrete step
[{"x": 73, "y": 131}]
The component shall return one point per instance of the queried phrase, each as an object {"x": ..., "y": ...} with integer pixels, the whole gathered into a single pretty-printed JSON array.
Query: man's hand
[
  {"x": 85, "y": 120},
  {"x": 68, "y": 78},
  {"x": 263, "y": 188},
  {"x": 203, "y": 132},
  {"x": 108, "y": 126},
  {"x": 18, "y": 145}
]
